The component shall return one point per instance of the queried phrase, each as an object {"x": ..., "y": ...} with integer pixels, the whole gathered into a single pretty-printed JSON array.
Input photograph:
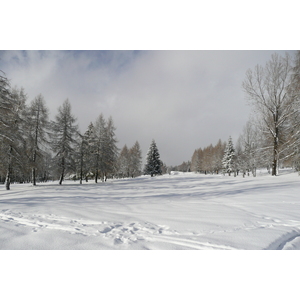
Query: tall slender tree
[
  {"x": 135, "y": 160},
  {"x": 100, "y": 134},
  {"x": 110, "y": 149},
  {"x": 90, "y": 149},
  {"x": 64, "y": 139},
  {"x": 12, "y": 107},
  {"x": 37, "y": 131},
  {"x": 123, "y": 162},
  {"x": 248, "y": 158}
]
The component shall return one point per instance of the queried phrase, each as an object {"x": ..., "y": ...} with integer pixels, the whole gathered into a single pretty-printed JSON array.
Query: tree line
[{"x": 34, "y": 148}]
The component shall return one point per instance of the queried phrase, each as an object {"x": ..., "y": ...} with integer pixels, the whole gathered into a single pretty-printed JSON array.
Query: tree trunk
[
  {"x": 8, "y": 174},
  {"x": 275, "y": 154},
  {"x": 62, "y": 171},
  {"x": 33, "y": 172},
  {"x": 33, "y": 176},
  {"x": 96, "y": 176},
  {"x": 254, "y": 171},
  {"x": 81, "y": 169},
  {"x": 7, "y": 179}
]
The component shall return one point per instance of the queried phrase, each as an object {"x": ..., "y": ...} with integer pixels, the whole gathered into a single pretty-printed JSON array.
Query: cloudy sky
[{"x": 182, "y": 99}]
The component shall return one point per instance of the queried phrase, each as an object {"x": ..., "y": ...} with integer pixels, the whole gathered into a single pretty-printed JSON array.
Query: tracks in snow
[
  {"x": 118, "y": 232},
  {"x": 285, "y": 241},
  {"x": 133, "y": 232}
]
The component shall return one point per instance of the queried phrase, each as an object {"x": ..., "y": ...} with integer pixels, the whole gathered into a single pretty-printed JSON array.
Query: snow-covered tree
[
  {"x": 228, "y": 158},
  {"x": 64, "y": 139},
  {"x": 80, "y": 156},
  {"x": 153, "y": 164},
  {"x": 130, "y": 161},
  {"x": 295, "y": 89},
  {"x": 249, "y": 150},
  {"x": 218, "y": 156},
  {"x": 36, "y": 132},
  {"x": 100, "y": 128},
  {"x": 273, "y": 91},
  {"x": 123, "y": 162},
  {"x": 106, "y": 151},
  {"x": 196, "y": 161},
  {"x": 89, "y": 148},
  {"x": 12, "y": 108},
  {"x": 135, "y": 160},
  {"x": 111, "y": 149},
  {"x": 7, "y": 117}
]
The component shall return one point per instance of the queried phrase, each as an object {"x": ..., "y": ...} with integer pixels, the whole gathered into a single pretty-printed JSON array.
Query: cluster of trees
[
  {"x": 224, "y": 157},
  {"x": 271, "y": 138},
  {"x": 23, "y": 131},
  {"x": 130, "y": 161},
  {"x": 34, "y": 148},
  {"x": 96, "y": 152},
  {"x": 185, "y": 166},
  {"x": 208, "y": 159}
]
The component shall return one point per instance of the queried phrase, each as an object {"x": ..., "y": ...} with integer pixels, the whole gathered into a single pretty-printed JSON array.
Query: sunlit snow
[{"x": 177, "y": 211}]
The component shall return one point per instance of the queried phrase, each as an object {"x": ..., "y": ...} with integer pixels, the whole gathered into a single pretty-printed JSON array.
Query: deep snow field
[{"x": 178, "y": 211}]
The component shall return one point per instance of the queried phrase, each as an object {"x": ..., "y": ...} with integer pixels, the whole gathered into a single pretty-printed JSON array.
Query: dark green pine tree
[{"x": 153, "y": 164}]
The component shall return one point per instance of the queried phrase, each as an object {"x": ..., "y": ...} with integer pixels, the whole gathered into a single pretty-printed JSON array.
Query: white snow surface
[{"x": 177, "y": 211}]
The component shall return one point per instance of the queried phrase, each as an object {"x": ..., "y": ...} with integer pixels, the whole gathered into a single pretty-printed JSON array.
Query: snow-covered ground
[{"x": 178, "y": 211}]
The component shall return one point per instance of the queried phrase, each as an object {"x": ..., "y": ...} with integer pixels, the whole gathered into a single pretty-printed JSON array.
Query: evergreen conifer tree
[
  {"x": 135, "y": 160},
  {"x": 37, "y": 124},
  {"x": 64, "y": 139},
  {"x": 228, "y": 158},
  {"x": 111, "y": 149},
  {"x": 12, "y": 107},
  {"x": 153, "y": 165},
  {"x": 100, "y": 134},
  {"x": 123, "y": 162}
]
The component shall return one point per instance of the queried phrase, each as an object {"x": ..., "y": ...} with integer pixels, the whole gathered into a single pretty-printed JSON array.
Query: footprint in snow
[
  {"x": 106, "y": 229},
  {"x": 118, "y": 241}
]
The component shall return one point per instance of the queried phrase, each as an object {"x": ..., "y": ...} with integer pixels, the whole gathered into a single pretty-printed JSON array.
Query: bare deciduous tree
[{"x": 275, "y": 103}]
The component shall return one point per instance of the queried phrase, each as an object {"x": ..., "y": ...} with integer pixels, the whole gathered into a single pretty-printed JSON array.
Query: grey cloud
[{"x": 182, "y": 99}]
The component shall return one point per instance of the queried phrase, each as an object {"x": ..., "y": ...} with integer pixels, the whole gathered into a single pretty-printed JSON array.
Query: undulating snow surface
[{"x": 177, "y": 211}]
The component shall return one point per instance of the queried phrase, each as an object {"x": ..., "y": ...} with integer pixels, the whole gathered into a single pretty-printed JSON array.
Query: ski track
[
  {"x": 285, "y": 241},
  {"x": 119, "y": 233}
]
